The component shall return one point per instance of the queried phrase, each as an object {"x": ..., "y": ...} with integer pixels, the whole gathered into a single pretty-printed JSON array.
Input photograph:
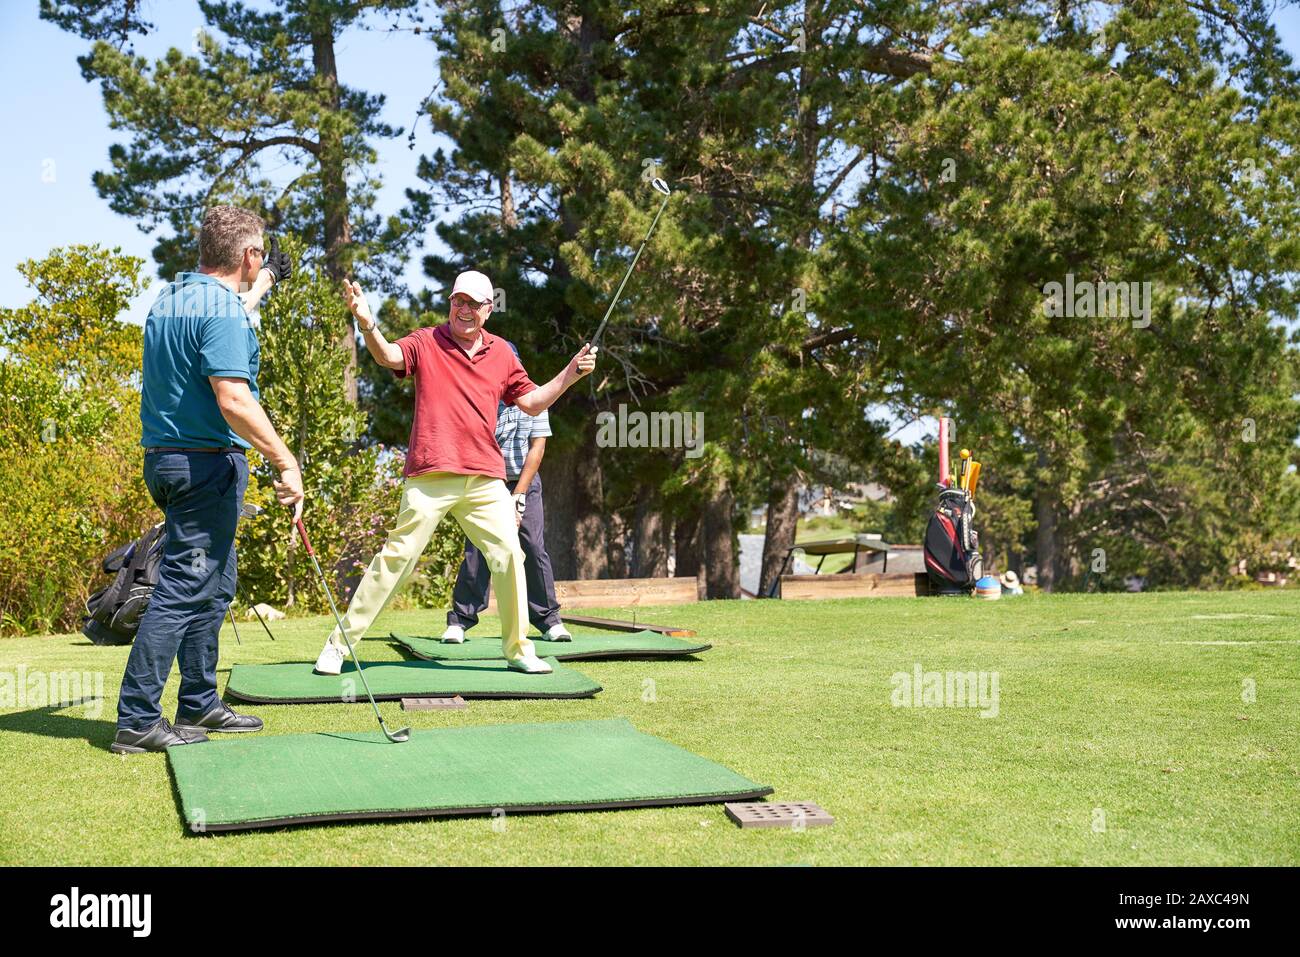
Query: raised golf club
[
  {"x": 401, "y": 734},
  {"x": 661, "y": 186}
]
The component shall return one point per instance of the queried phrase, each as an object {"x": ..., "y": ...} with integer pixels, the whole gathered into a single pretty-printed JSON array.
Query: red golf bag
[{"x": 952, "y": 557}]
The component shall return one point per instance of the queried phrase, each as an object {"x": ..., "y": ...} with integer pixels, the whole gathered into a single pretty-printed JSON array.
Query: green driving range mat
[
  {"x": 587, "y": 644},
  {"x": 297, "y": 683},
  {"x": 264, "y": 781}
]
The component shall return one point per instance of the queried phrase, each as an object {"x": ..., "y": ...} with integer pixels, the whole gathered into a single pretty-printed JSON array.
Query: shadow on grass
[{"x": 46, "y": 722}]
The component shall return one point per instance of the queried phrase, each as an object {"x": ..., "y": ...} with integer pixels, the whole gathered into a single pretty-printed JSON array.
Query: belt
[{"x": 228, "y": 448}]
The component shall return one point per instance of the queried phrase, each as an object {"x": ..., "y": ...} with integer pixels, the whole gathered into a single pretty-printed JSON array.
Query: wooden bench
[
  {"x": 805, "y": 587},
  {"x": 622, "y": 592}
]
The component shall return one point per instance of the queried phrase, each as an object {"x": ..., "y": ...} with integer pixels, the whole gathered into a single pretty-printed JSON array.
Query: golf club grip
[{"x": 302, "y": 532}]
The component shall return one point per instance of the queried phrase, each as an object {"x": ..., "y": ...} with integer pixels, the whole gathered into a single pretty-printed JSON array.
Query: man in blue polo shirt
[
  {"x": 199, "y": 411},
  {"x": 522, "y": 439}
]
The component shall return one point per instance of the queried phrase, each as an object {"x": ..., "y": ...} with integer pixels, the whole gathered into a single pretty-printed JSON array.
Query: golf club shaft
[
  {"x": 302, "y": 531},
  {"x": 231, "y": 611},
  {"x": 265, "y": 627},
  {"x": 241, "y": 594},
  {"x": 595, "y": 340}
]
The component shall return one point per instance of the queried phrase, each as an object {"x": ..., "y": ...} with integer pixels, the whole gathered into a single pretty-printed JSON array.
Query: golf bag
[
  {"x": 113, "y": 613},
  {"x": 952, "y": 557}
]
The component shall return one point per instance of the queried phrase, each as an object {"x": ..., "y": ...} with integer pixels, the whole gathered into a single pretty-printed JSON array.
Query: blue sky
[{"x": 52, "y": 116}]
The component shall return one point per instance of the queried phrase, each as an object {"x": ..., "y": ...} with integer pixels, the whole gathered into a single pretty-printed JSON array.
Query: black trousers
[{"x": 470, "y": 595}]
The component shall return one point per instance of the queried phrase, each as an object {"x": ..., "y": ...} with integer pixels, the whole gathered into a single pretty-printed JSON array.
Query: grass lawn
[{"x": 1121, "y": 737}]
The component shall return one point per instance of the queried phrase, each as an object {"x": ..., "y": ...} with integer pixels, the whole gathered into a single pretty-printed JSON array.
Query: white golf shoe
[
  {"x": 530, "y": 665},
  {"x": 557, "y": 633},
  {"x": 454, "y": 635},
  {"x": 330, "y": 661}
]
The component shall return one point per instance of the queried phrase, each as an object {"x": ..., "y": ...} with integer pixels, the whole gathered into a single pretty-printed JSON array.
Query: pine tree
[
  {"x": 1038, "y": 152},
  {"x": 261, "y": 89}
]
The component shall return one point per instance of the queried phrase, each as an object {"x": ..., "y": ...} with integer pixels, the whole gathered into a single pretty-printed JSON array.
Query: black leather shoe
[
  {"x": 220, "y": 718},
  {"x": 157, "y": 738}
]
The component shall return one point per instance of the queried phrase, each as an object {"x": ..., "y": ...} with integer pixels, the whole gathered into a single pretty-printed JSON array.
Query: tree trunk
[
  {"x": 617, "y": 546},
  {"x": 509, "y": 219},
  {"x": 557, "y": 498},
  {"x": 721, "y": 570},
  {"x": 575, "y": 524},
  {"x": 1045, "y": 506},
  {"x": 334, "y": 186},
  {"x": 292, "y": 562},
  {"x": 686, "y": 549},
  {"x": 649, "y": 549},
  {"x": 782, "y": 523},
  {"x": 590, "y": 528},
  {"x": 1071, "y": 565}
]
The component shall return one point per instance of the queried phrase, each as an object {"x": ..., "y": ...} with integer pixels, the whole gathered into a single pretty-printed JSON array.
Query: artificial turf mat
[
  {"x": 297, "y": 683},
  {"x": 237, "y": 784},
  {"x": 586, "y": 644}
]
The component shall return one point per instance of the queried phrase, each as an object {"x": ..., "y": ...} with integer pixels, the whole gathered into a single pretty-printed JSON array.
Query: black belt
[{"x": 228, "y": 448}]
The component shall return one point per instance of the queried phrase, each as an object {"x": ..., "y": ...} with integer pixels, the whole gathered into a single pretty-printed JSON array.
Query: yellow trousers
[{"x": 485, "y": 511}]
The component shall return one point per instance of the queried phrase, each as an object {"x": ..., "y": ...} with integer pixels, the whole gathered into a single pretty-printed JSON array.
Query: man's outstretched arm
[
  {"x": 387, "y": 354},
  {"x": 544, "y": 396}
]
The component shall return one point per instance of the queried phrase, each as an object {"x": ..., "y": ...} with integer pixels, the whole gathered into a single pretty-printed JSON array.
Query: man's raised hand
[
  {"x": 357, "y": 303},
  {"x": 584, "y": 361},
  {"x": 278, "y": 264}
]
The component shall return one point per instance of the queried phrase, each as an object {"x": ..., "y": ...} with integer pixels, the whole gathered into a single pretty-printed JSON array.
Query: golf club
[
  {"x": 401, "y": 734},
  {"x": 662, "y": 187}
]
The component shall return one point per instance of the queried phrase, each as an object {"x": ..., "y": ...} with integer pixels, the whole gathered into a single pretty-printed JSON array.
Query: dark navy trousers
[
  {"x": 470, "y": 595},
  {"x": 201, "y": 494}
]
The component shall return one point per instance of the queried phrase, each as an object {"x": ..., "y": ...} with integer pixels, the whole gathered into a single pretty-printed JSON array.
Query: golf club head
[
  {"x": 250, "y": 510},
  {"x": 661, "y": 186},
  {"x": 400, "y": 736}
]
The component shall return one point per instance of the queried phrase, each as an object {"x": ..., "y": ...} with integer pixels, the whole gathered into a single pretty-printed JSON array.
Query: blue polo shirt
[{"x": 197, "y": 328}]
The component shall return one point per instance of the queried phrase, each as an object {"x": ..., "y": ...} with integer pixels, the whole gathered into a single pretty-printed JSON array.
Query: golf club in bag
[
  {"x": 662, "y": 187},
  {"x": 401, "y": 734}
]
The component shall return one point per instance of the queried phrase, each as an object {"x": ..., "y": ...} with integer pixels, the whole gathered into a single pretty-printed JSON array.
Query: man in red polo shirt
[{"x": 454, "y": 464}]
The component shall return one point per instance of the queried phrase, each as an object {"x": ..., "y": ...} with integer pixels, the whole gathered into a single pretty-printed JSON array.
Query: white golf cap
[{"x": 475, "y": 285}]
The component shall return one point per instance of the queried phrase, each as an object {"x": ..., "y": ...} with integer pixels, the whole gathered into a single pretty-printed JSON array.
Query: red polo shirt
[{"x": 456, "y": 399}]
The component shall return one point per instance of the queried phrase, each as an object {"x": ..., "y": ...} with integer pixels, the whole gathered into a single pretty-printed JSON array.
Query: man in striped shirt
[{"x": 522, "y": 439}]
